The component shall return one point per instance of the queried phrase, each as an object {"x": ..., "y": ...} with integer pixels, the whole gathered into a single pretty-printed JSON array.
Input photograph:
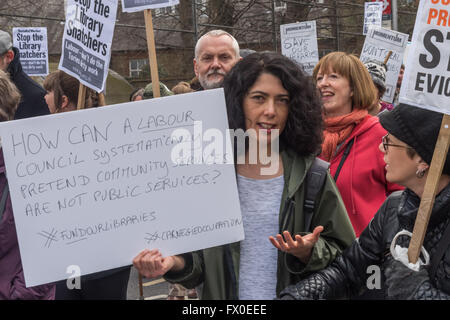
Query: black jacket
[
  {"x": 32, "y": 103},
  {"x": 347, "y": 276}
]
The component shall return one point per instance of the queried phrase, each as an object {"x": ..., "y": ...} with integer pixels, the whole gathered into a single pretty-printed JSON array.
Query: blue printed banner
[{"x": 87, "y": 39}]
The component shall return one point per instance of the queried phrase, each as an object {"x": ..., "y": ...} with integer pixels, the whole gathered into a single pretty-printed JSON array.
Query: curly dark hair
[{"x": 303, "y": 132}]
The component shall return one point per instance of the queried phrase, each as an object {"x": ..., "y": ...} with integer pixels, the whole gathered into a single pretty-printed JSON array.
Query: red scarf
[{"x": 338, "y": 129}]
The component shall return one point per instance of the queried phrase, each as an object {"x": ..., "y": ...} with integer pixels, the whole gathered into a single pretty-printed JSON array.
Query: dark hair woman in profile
[
  {"x": 407, "y": 149},
  {"x": 269, "y": 97}
]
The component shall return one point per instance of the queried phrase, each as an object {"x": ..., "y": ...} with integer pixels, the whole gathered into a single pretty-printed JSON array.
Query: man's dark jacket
[{"x": 32, "y": 103}]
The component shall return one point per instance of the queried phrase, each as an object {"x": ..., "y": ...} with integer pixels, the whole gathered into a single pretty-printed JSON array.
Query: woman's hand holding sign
[{"x": 151, "y": 263}]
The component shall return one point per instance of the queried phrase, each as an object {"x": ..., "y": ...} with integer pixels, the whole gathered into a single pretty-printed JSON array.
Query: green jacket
[{"x": 217, "y": 268}]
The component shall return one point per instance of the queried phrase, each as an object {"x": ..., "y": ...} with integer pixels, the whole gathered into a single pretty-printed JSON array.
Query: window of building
[{"x": 136, "y": 67}]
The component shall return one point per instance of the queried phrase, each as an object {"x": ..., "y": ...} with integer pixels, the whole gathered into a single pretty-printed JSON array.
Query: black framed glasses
[{"x": 385, "y": 140}]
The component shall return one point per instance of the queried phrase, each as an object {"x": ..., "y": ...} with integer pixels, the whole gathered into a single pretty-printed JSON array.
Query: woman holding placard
[
  {"x": 408, "y": 149},
  {"x": 273, "y": 100},
  {"x": 351, "y": 136},
  {"x": 12, "y": 282},
  {"x": 62, "y": 96}
]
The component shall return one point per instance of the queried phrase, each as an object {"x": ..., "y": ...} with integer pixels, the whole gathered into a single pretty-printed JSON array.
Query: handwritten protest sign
[
  {"x": 94, "y": 187},
  {"x": 373, "y": 15},
  {"x": 139, "y": 5},
  {"x": 426, "y": 82},
  {"x": 378, "y": 43},
  {"x": 387, "y": 13},
  {"x": 33, "y": 48},
  {"x": 299, "y": 42},
  {"x": 86, "y": 47}
]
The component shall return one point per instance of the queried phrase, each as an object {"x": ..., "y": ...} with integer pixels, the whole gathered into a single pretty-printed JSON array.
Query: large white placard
[
  {"x": 426, "y": 82},
  {"x": 139, "y": 5},
  {"x": 299, "y": 42},
  {"x": 373, "y": 15},
  {"x": 378, "y": 43},
  {"x": 87, "y": 39},
  {"x": 94, "y": 187},
  {"x": 33, "y": 49}
]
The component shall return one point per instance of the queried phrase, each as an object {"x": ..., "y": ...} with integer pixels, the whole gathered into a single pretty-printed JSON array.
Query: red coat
[{"x": 362, "y": 179}]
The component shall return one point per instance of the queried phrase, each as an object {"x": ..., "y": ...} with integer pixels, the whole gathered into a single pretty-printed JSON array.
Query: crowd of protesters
[{"x": 375, "y": 159}]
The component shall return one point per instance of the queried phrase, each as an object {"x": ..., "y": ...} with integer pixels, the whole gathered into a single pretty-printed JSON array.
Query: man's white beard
[{"x": 206, "y": 84}]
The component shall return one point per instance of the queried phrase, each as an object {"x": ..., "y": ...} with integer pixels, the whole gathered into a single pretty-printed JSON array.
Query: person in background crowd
[
  {"x": 195, "y": 84},
  {"x": 182, "y": 87},
  {"x": 266, "y": 92},
  {"x": 408, "y": 149},
  {"x": 163, "y": 91},
  {"x": 32, "y": 103},
  {"x": 12, "y": 282},
  {"x": 377, "y": 72},
  {"x": 399, "y": 84},
  {"x": 216, "y": 52},
  {"x": 62, "y": 96},
  {"x": 137, "y": 94},
  {"x": 352, "y": 136}
]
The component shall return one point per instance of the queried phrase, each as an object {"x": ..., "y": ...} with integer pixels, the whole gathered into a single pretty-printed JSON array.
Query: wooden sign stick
[
  {"x": 155, "y": 82},
  {"x": 387, "y": 57},
  {"x": 429, "y": 192},
  {"x": 81, "y": 97},
  {"x": 101, "y": 99},
  {"x": 152, "y": 52}
]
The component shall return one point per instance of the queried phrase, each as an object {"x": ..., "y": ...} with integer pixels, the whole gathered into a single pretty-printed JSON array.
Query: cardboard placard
[
  {"x": 33, "y": 49},
  {"x": 94, "y": 187},
  {"x": 299, "y": 42}
]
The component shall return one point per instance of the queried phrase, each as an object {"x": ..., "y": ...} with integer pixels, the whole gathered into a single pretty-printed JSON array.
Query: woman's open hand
[{"x": 301, "y": 247}]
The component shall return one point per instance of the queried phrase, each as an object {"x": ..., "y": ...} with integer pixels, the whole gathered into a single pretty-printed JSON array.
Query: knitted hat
[
  {"x": 5, "y": 42},
  {"x": 377, "y": 71},
  {"x": 163, "y": 90},
  {"x": 417, "y": 127}
]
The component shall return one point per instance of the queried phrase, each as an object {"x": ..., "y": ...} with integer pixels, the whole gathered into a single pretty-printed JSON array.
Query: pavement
[{"x": 153, "y": 289}]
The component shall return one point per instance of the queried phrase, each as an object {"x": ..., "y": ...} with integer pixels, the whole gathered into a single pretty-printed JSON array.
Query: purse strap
[{"x": 344, "y": 156}]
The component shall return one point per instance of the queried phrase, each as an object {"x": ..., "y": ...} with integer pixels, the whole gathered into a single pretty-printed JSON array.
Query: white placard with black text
[
  {"x": 87, "y": 40},
  {"x": 33, "y": 50},
  {"x": 94, "y": 187},
  {"x": 378, "y": 43},
  {"x": 426, "y": 82},
  {"x": 299, "y": 42},
  {"x": 373, "y": 15},
  {"x": 140, "y": 5}
]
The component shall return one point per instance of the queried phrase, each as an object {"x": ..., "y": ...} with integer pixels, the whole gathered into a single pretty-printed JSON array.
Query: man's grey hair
[{"x": 217, "y": 33}]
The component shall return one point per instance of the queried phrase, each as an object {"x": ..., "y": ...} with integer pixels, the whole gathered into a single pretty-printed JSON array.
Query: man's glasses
[{"x": 385, "y": 140}]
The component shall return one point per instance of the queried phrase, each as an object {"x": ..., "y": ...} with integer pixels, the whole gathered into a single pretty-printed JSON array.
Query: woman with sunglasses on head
[
  {"x": 351, "y": 135},
  {"x": 407, "y": 149}
]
